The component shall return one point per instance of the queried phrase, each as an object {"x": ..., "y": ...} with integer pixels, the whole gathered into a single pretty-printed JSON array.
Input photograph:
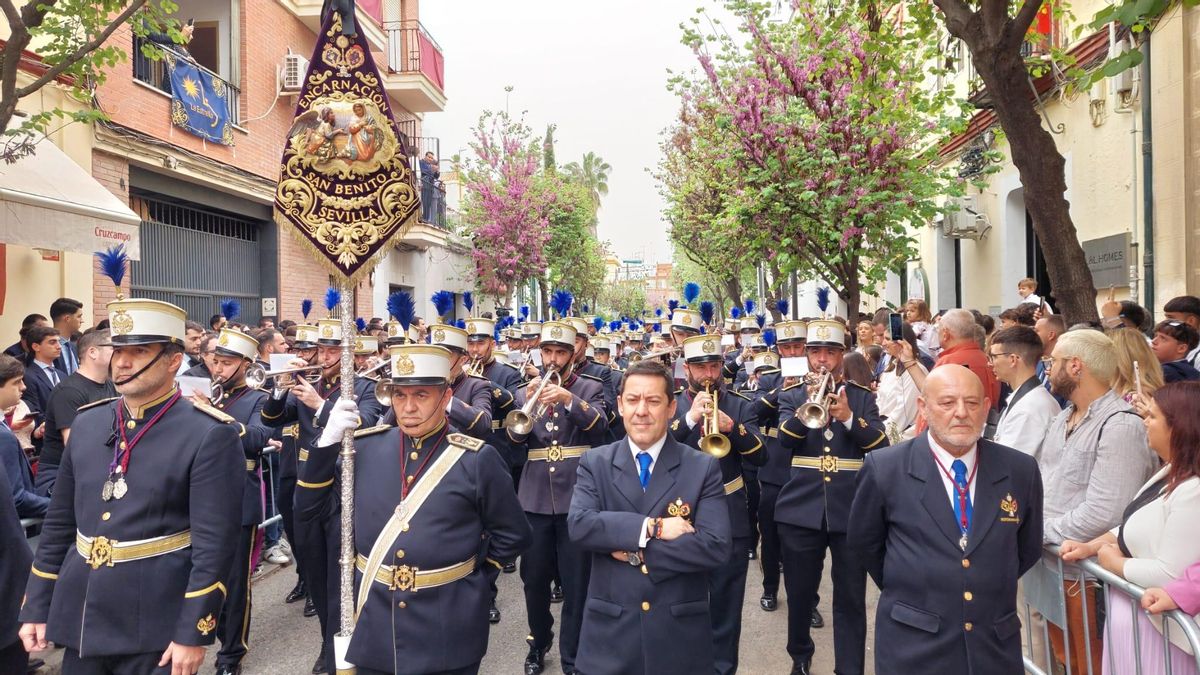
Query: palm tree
[{"x": 592, "y": 173}]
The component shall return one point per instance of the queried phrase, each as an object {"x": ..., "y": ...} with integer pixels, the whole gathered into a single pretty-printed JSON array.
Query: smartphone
[{"x": 895, "y": 326}]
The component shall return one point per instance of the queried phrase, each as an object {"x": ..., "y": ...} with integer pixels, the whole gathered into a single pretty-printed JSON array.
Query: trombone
[
  {"x": 814, "y": 414},
  {"x": 712, "y": 441},
  {"x": 521, "y": 421},
  {"x": 378, "y": 366},
  {"x": 257, "y": 375}
]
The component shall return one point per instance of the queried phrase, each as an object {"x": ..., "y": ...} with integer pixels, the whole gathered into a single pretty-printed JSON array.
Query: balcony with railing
[
  {"x": 155, "y": 73},
  {"x": 416, "y": 67}
]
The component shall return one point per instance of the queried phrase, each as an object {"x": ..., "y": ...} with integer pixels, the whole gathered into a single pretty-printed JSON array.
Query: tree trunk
[
  {"x": 543, "y": 312},
  {"x": 733, "y": 287},
  {"x": 1042, "y": 171}
]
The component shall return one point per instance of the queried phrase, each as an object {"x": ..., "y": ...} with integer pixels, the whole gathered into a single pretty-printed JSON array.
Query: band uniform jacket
[
  {"x": 943, "y": 609},
  {"x": 244, "y": 404},
  {"x": 287, "y": 410},
  {"x": 745, "y": 443},
  {"x": 778, "y": 469},
  {"x": 470, "y": 407},
  {"x": 556, "y": 442},
  {"x": 653, "y": 618},
  {"x": 825, "y": 461},
  {"x": 185, "y": 478},
  {"x": 609, "y": 381},
  {"x": 14, "y": 564},
  {"x": 416, "y": 629},
  {"x": 504, "y": 379}
]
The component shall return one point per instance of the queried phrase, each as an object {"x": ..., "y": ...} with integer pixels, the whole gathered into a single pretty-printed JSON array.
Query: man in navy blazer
[
  {"x": 652, "y": 513},
  {"x": 946, "y": 524}
]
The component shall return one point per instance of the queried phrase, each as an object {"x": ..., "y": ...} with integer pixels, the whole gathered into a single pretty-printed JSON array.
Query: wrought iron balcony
[{"x": 154, "y": 73}]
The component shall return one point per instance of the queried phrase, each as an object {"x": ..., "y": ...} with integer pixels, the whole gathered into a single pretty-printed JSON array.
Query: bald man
[{"x": 946, "y": 524}]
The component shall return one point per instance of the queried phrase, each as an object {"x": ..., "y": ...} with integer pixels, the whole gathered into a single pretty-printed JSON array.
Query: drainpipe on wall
[{"x": 1147, "y": 179}]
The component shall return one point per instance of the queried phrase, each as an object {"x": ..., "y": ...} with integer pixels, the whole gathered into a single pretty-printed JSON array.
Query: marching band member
[
  {"x": 737, "y": 428},
  {"x": 420, "y": 518},
  {"x": 587, "y": 367},
  {"x": 470, "y": 407}
]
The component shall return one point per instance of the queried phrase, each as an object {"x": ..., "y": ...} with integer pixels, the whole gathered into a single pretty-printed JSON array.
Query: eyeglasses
[{"x": 992, "y": 357}]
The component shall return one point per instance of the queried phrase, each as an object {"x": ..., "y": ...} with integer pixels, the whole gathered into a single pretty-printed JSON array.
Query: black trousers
[
  {"x": 552, "y": 554},
  {"x": 753, "y": 497},
  {"x": 233, "y": 628},
  {"x": 771, "y": 553},
  {"x": 286, "y": 501},
  {"x": 14, "y": 658},
  {"x": 803, "y": 560},
  {"x": 726, "y": 593},
  {"x": 465, "y": 670},
  {"x": 131, "y": 664},
  {"x": 311, "y": 547}
]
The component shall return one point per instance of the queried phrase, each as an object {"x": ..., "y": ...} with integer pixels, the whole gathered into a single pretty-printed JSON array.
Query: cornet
[
  {"x": 814, "y": 414},
  {"x": 216, "y": 391},
  {"x": 257, "y": 375},
  {"x": 474, "y": 367},
  {"x": 521, "y": 421},
  {"x": 713, "y": 442}
]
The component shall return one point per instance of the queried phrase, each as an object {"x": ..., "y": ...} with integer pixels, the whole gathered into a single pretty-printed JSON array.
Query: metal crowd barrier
[{"x": 1044, "y": 593}]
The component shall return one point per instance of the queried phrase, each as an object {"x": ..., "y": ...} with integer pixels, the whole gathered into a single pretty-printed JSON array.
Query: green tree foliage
[
  {"x": 592, "y": 172},
  {"x": 69, "y": 36}
]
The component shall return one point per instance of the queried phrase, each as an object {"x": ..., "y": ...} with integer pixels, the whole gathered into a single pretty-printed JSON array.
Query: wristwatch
[{"x": 635, "y": 558}]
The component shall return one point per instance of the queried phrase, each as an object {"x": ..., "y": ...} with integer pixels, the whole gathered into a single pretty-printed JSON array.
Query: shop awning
[{"x": 48, "y": 201}]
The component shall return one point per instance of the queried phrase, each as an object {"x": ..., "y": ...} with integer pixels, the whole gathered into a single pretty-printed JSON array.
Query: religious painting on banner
[
  {"x": 345, "y": 186},
  {"x": 198, "y": 103}
]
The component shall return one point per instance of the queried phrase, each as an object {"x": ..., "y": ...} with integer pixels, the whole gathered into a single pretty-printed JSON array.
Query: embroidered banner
[
  {"x": 345, "y": 186},
  {"x": 198, "y": 106}
]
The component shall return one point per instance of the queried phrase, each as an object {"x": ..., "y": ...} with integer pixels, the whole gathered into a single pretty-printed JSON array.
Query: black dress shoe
[
  {"x": 494, "y": 614},
  {"x": 556, "y": 593},
  {"x": 309, "y": 608},
  {"x": 510, "y": 567},
  {"x": 801, "y": 669},
  {"x": 535, "y": 662},
  {"x": 229, "y": 669},
  {"x": 817, "y": 620},
  {"x": 297, "y": 593},
  {"x": 319, "y": 666},
  {"x": 768, "y": 602},
  {"x": 753, "y": 554}
]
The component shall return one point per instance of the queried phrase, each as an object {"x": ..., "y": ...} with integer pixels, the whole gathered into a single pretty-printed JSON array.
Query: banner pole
[{"x": 346, "y": 559}]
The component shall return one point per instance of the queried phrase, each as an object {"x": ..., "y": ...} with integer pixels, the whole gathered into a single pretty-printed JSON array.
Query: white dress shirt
[
  {"x": 653, "y": 451},
  {"x": 50, "y": 371},
  {"x": 947, "y": 460},
  {"x": 1024, "y": 423}
]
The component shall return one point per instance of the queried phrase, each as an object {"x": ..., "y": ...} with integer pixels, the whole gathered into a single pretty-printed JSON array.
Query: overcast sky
[{"x": 597, "y": 70}]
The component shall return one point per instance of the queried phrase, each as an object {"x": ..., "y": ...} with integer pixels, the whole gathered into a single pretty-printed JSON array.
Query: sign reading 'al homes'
[
  {"x": 345, "y": 186},
  {"x": 1109, "y": 259}
]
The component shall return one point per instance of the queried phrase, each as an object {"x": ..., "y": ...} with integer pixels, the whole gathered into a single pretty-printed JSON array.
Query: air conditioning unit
[
  {"x": 964, "y": 221},
  {"x": 294, "y": 68}
]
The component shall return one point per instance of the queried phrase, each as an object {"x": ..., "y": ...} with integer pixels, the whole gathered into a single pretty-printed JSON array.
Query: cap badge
[
  {"x": 327, "y": 331},
  {"x": 556, "y": 332},
  {"x": 685, "y": 319},
  {"x": 708, "y": 346},
  {"x": 122, "y": 323},
  {"x": 439, "y": 335},
  {"x": 822, "y": 332},
  {"x": 404, "y": 365},
  {"x": 223, "y": 340}
]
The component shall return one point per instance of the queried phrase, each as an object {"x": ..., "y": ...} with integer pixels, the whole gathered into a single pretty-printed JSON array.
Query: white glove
[{"x": 342, "y": 418}]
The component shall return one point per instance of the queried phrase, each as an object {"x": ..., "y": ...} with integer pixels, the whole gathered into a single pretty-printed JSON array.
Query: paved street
[{"x": 283, "y": 642}]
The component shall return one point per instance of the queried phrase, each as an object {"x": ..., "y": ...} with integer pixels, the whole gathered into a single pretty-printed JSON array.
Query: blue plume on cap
[
  {"x": 332, "y": 297},
  {"x": 823, "y": 298},
  {"x": 691, "y": 292},
  {"x": 585, "y": 309},
  {"x": 658, "y": 328},
  {"x": 443, "y": 303},
  {"x": 658, "y": 311},
  {"x": 768, "y": 337},
  {"x": 706, "y": 312},
  {"x": 761, "y": 319},
  {"x": 736, "y": 312},
  {"x": 468, "y": 301},
  {"x": 561, "y": 302},
  {"x": 597, "y": 323},
  {"x": 614, "y": 325},
  {"x": 749, "y": 306},
  {"x": 672, "y": 304},
  {"x": 461, "y": 323},
  {"x": 524, "y": 312},
  {"x": 361, "y": 324},
  {"x": 782, "y": 305},
  {"x": 112, "y": 263},
  {"x": 400, "y": 305},
  {"x": 230, "y": 309},
  {"x": 305, "y": 307}
]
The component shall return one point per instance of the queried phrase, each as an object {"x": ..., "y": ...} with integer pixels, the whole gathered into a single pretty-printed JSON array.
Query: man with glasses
[{"x": 1014, "y": 354}]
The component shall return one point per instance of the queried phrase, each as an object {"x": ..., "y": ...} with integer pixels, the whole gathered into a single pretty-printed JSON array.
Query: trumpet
[
  {"x": 383, "y": 393},
  {"x": 713, "y": 442},
  {"x": 671, "y": 352},
  {"x": 216, "y": 391},
  {"x": 814, "y": 414},
  {"x": 257, "y": 375},
  {"x": 378, "y": 366},
  {"x": 474, "y": 367},
  {"x": 522, "y": 421}
]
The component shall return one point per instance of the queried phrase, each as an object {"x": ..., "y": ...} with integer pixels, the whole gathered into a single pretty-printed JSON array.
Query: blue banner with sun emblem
[{"x": 199, "y": 105}]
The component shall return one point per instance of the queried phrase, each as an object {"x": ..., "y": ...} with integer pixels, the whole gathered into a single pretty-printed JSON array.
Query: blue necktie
[
  {"x": 962, "y": 499},
  {"x": 644, "y": 460}
]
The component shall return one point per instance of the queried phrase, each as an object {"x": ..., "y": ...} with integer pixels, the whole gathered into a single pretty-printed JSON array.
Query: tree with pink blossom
[
  {"x": 507, "y": 206},
  {"x": 816, "y": 132}
]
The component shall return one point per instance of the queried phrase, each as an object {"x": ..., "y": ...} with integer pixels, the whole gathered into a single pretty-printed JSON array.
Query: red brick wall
[
  {"x": 113, "y": 173},
  {"x": 302, "y": 277}
]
